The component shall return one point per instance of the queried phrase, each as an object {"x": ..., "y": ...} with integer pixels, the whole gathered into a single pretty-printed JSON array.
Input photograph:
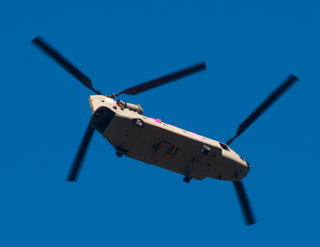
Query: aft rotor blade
[
  {"x": 163, "y": 80},
  {"x": 38, "y": 41},
  {"x": 75, "y": 169},
  {"x": 244, "y": 202},
  {"x": 268, "y": 102}
]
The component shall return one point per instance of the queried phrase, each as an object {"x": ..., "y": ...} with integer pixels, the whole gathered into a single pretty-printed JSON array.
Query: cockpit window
[
  {"x": 224, "y": 146},
  {"x": 241, "y": 158}
]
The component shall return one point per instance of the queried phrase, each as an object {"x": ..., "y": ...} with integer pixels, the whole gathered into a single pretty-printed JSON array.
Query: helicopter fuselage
[{"x": 154, "y": 142}]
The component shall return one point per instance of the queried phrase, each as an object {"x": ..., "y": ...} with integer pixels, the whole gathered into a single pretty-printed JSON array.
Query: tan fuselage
[{"x": 164, "y": 145}]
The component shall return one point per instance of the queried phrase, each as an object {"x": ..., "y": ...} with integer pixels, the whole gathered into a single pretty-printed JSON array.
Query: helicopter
[{"x": 161, "y": 144}]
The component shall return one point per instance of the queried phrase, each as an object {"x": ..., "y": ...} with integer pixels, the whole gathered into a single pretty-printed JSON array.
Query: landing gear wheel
[
  {"x": 119, "y": 154},
  {"x": 120, "y": 151},
  {"x": 187, "y": 178},
  {"x": 138, "y": 122}
]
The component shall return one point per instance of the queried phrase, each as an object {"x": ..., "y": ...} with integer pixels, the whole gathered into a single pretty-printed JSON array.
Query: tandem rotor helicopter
[{"x": 154, "y": 142}]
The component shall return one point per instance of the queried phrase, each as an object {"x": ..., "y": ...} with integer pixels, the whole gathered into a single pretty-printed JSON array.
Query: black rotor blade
[
  {"x": 163, "y": 80},
  {"x": 38, "y": 41},
  {"x": 245, "y": 205},
  {"x": 268, "y": 102},
  {"x": 80, "y": 155}
]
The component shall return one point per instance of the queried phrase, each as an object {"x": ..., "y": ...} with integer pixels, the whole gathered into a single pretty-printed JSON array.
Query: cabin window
[
  {"x": 171, "y": 151},
  {"x": 224, "y": 146}
]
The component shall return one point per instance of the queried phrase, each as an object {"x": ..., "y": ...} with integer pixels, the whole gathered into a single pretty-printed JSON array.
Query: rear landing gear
[
  {"x": 119, "y": 154},
  {"x": 120, "y": 151},
  {"x": 187, "y": 178}
]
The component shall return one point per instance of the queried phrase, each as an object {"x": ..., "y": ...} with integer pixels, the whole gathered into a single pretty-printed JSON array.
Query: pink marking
[
  {"x": 155, "y": 120},
  {"x": 180, "y": 130},
  {"x": 176, "y": 128},
  {"x": 199, "y": 137}
]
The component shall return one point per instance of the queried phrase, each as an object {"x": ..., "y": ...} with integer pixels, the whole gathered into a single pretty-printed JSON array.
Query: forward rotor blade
[
  {"x": 268, "y": 102},
  {"x": 244, "y": 202},
  {"x": 163, "y": 80},
  {"x": 75, "y": 169},
  {"x": 38, "y": 41}
]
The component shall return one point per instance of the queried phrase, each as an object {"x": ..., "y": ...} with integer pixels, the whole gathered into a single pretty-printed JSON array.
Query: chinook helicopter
[{"x": 154, "y": 142}]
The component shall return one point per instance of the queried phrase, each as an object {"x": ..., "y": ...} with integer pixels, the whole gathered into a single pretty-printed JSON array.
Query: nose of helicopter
[
  {"x": 242, "y": 168},
  {"x": 248, "y": 167}
]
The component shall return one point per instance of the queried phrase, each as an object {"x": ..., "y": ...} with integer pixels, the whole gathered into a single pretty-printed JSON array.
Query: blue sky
[{"x": 249, "y": 47}]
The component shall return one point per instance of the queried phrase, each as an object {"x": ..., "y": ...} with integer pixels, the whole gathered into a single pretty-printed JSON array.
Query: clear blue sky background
[{"x": 249, "y": 47}]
